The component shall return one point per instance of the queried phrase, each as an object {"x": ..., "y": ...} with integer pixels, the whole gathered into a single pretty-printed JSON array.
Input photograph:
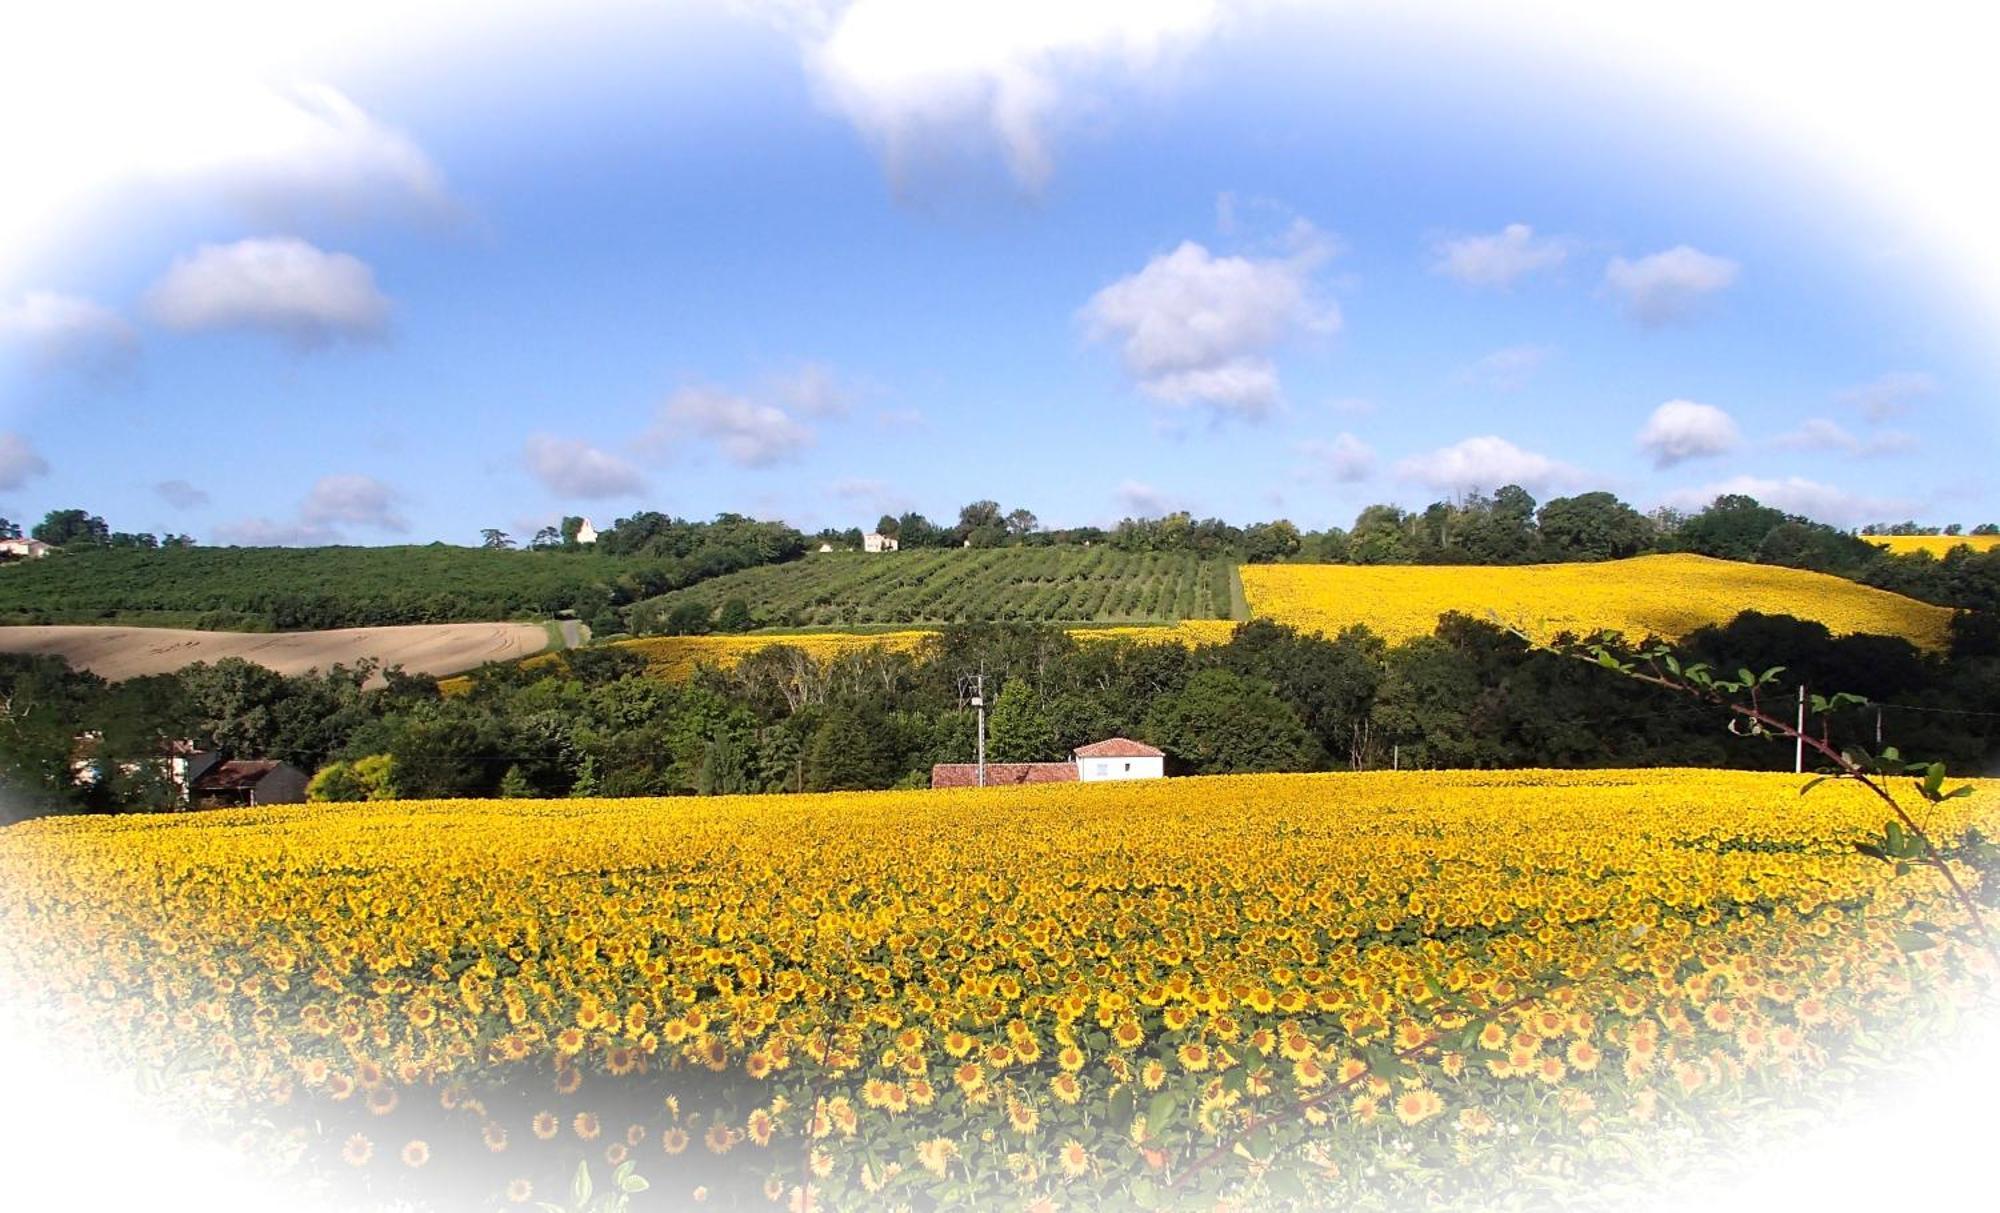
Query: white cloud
[
  {"x": 918, "y": 78},
  {"x": 266, "y": 533},
  {"x": 874, "y": 495},
  {"x": 68, "y": 332},
  {"x": 278, "y": 284},
  {"x": 1889, "y": 395},
  {"x": 1797, "y": 495},
  {"x": 569, "y": 467},
  {"x": 1342, "y": 459},
  {"x": 747, "y": 433},
  {"x": 1194, "y": 328},
  {"x": 1500, "y": 259},
  {"x": 1484, "y": 464},
  {"x": 19, "y": 463},
  {"x": 1508, "y": 369},
  {"x": 815, "y": 390},
  {"x": 1825, "y": 434},
  {"x": 309, "y": 147},
  {"x": 180, "y": 494},
  {"x": 1667, "y": 286},
  {"x": 353, "y": 498},
  {"x": 1144, "y": 501},
  {"x": 1680, "y": 430}
]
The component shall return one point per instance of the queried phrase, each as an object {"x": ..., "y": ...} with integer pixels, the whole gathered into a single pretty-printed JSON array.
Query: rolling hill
[
  {"x": 129, "y": 652},
  {"x": 297, "y": 589},
  {"x": 1664, "y": 596},
  {"x": 1936, "y": 545},
  {"x": 1036, "y": 584}
]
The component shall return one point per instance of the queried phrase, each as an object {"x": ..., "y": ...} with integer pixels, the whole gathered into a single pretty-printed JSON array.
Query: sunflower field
[
  {"x": 1463, "y": 990},
  {"x": 1662, "y": 596},
  {"x": 675, "y": 658},
  {"x": 1936, "y": 545}
]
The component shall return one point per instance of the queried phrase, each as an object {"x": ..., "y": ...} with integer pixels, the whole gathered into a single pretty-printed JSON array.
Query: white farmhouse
[
  {"x": 874, "y": 542},
  {"x": 586, "y": 533},
  {"x": 1119, "y": 758},
  {"x": 23, "y": 549}
]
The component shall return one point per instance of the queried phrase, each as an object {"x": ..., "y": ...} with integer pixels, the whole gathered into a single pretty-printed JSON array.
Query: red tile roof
[
  {"x": 1118, "y": 747},
  {"x": 245, "y": 773},
  {"x": 1000, "y": 774}
]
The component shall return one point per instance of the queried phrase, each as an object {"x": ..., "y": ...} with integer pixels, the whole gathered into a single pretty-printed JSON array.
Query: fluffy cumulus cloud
[
  {"x": 269, "y": 533},
  {"x": 280, "y": 285},
  {"x": 65, "y": 332},
  {"x": 1669, "y": 285},
  {"x": 19, "y": 462},
  {"x": 1194, "y": 328},
  {"x": 874, "y": 496},
  {"x": 180, "y": 494},
  {"x": 1485, "y": 463},
  {"x": 354, "y": 499},
  {"x": 814, "y": 390},
  {"x": 346, "y": 499},
  {"x": 1797, "y": 495},
  {"x": 570, "y": 467},
  {"x": 195, "y": 119},
  {"x": 1508, "y": 369},
  {"x": 1825, "y": 434},
  {"x": 1499, "y": 259},
  {"x": 1889, "y": 395},
  {"x": 922, "y": 80},
  {"x": 1342, "y": 459},
  {"x": 748, "y": 433},
  {"x": 1680, "y": 430}
]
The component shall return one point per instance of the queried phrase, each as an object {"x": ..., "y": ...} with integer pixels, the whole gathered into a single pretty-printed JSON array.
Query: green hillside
[
  {"x": 286, "y": 589},
  {"x": 1045, "y": 584}
]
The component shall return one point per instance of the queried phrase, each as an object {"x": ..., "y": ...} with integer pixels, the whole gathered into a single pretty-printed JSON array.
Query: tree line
[{"x": 1271, "y": 699}]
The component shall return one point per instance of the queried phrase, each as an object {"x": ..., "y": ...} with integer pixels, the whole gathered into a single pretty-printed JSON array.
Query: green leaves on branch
[{"x": 617, "y": 1199}]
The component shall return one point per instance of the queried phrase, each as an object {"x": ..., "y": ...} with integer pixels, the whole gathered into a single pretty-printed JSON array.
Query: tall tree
[{"x": 1020, "y": 729}]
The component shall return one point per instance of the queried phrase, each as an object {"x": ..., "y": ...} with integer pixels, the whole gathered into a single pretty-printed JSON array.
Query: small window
[{"x": 1128, "y": 766}]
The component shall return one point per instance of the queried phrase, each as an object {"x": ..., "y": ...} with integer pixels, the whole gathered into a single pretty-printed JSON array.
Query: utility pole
[
  {"x": 1799, "y": 747},
  {"x": 1878, "y": 728},
  {"x": 979, "y": 703}
]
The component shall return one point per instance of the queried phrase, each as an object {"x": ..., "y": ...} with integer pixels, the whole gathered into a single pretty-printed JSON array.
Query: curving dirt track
[{"x": 127, "y": 652}]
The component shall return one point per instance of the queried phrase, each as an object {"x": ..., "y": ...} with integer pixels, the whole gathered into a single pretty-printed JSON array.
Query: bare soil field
[{"x": 125, "y": 652}]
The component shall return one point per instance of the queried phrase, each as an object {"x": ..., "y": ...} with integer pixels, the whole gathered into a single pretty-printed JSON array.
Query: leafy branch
[{"x": 1904, "y": 842}]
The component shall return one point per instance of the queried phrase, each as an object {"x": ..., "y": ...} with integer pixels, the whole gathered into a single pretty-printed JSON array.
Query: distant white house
[
  {"x": 1119, "y": 758},
  {"x": 23, "y": 549},
  {"x": 875, "y": 542},
  {"x": 586, "y": 533},
  {"x": 826, "y": 547},
  {"x": 1112, "y": 758}
]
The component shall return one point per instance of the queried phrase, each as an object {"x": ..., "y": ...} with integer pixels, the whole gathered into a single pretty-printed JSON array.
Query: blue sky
[{"x": 716, "y": 261}]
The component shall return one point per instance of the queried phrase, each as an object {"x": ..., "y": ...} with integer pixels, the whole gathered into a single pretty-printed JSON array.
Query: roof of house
[
  {"x": 1118, "y": 747},
  {"x": 998, "y": 774},
  {"x": 239, "y": 773}
]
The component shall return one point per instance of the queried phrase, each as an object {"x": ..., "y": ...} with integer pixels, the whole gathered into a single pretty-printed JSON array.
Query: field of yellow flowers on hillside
[
  {"x": 1267, "y": 990},
  {"x": 1936, "y": 545},
  {"x": 1663, "y": 596}
]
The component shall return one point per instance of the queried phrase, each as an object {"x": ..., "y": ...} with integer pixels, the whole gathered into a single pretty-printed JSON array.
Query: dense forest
[{"x": 592, "y": 723}]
